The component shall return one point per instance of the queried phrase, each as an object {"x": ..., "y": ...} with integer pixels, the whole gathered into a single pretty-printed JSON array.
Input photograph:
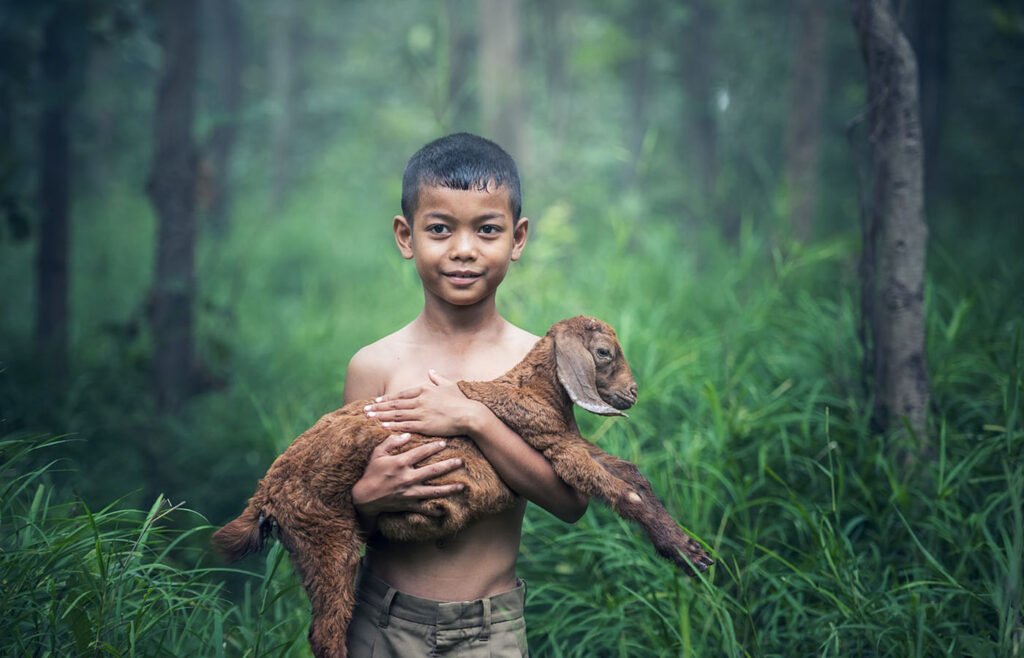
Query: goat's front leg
[
  {"x": 599, "y": 475},
  {"x": 661, "y": 528}
]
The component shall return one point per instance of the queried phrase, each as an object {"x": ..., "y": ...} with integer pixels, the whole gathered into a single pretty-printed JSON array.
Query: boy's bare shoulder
[
  {"x": 512, "y": 347},
  {"x": 520, "y": 341},
  {"x": 369, "y": 368},
  {"x": 399, "y": 360}
]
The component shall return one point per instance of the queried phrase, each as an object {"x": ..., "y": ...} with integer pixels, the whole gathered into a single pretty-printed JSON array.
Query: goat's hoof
[{"x": 693, "y": 563}]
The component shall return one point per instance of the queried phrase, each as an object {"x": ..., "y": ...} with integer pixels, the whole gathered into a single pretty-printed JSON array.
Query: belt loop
[
  {"x": 485, "y": 629},
  {"x": 385, "y": 608}
]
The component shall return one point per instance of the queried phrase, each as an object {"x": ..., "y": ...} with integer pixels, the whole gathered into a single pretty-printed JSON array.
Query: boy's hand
[
  {"x": 393, "y": 483},
  {"x": 437, "y": 409}
]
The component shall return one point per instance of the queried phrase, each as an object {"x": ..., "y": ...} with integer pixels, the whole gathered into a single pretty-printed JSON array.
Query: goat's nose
[{"x": 632, "y": 390}]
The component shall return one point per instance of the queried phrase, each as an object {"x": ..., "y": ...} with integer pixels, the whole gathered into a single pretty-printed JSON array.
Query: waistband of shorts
[{"x": 504, "y": 606}]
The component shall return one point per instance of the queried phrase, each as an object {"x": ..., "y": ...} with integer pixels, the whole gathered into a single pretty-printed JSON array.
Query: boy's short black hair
[{"x": 460, "y": 162}]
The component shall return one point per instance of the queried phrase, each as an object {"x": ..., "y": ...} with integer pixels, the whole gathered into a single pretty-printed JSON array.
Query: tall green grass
[
  {"x": 752, "y": 424},
  {"x": 753, "y": 428},
  {"x": 125, "y": 582}
]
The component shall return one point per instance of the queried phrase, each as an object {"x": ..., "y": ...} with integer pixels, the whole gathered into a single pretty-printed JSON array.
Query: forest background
[{"x": 697, "y": 174}]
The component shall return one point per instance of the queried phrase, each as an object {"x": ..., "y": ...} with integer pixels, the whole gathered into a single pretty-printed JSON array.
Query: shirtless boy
[{"x": 459, "y": 596}]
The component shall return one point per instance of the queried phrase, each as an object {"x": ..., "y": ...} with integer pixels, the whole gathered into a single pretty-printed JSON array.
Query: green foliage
[
  {"x": 752, "y": 422},
  {"x": 124, "y": 582},
  {"x": 750, "y": 425}
]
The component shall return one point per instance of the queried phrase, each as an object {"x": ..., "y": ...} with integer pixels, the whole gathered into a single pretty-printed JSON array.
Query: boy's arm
[
  {"x": 392, "y": 483},
  {"x": 443, "y": 410}
]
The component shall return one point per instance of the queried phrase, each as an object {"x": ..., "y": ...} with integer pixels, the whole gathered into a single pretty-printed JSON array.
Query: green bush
[
  {"x": 125, "y": 582},
  {"x": 751, "y": 424}
]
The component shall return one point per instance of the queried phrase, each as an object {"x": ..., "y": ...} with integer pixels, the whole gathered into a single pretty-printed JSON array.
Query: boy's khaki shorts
[{"x": 387, "y": 622}]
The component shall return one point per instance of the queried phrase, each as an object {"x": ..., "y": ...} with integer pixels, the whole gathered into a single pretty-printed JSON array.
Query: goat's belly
[{"x": 484, "y": 493}]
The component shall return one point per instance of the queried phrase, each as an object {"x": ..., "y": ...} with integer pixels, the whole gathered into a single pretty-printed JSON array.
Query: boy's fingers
[
  {"x": 401, "y": 395},
  {"x": 430, "y": 471},
  {"x": 393, "y": 441},
  {"x": 406, "y": 426},
  {"x": 389, "y": 405},
  {"x": 433, "y": 491},
  {"x": 419, "y": 453},
  {"x": 392, "y": 415},
  {"x": 438, "y": 378}
]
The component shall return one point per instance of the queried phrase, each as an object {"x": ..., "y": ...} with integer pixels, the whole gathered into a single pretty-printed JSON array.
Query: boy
[{"x": 461, "y": 226}]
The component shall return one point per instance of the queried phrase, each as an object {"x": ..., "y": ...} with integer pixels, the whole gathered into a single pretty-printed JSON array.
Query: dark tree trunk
[
  {"x": 697, "y": 66},
  {"x": 895, "y": 231},
  {"x": 803, "y": 129},
  {"x": 54, "y": 198},
  {"x": 638, "y": 82},
  {"x": 172, "y": 190},
  {"x": 282, "y": 91},
  {"x": 498, "y": 75},
  {"x": 460, "y": 51},
  {"x": 553, "y": 41},
  {"x": 929, "y": 33},
  {"x": 228, "y": 30}
]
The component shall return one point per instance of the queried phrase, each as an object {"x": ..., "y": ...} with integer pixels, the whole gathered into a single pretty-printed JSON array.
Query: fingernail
[
  {"x": 441, "y": 443},
  {"x": 458, "y": 462},
  {"x": 385, "y": 424},
  {"x": 380, "y": 399},
  {"x": 368, "y": 407},
  {"x": 371, "y": 414},
  {"x": 404, "y": 436}
]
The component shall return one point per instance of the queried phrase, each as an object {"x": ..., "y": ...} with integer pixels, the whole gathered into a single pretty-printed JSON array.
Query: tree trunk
[
  {"x": 803, "y": 128},
  {"x": 460, "y": 46},
  {"x": 553, "y": 40},
  {"x": 638, "y": 82},
  {"x": 282, "y": 91},
  {"x": 930, "y": 37},
  {"x": 172, "y": 190},
  {"x": 498, "y": 74},
  {"x": 697, "y": 65},
  {"x": 227, "y": 27},
  {"x": 54, "y": 199},
  {"x": 896, "y": 234}
]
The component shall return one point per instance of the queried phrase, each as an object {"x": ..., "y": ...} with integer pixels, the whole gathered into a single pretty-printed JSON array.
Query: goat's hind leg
[{"x": 327, "y": 563}]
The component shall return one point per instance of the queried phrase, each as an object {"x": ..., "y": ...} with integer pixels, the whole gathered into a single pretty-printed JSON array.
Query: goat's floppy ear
[{"x": 576, "y": 372}]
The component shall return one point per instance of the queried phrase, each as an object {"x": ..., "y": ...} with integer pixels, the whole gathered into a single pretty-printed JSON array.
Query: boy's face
[{"x": 462, "y": 241}]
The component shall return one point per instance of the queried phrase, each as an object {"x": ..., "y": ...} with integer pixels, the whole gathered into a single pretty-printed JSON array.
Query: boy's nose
[{"x": 463, "y": 247}]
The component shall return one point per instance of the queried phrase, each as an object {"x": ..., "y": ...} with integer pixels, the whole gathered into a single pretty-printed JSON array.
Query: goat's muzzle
[{"x": 623, "y": 398}]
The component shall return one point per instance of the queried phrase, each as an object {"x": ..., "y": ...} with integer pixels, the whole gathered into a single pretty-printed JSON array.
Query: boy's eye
[
  {"x": 437, "y": 229},
  {"x": 490, "y": 229}
]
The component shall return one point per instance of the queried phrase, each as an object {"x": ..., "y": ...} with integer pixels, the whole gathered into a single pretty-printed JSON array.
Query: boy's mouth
[{"x": 462, "y": 276}]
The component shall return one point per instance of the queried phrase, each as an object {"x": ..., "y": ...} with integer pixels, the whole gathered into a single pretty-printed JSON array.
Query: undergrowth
[
  {"x": 752, "y": 424},
  {"x": 125, "y": 582}
]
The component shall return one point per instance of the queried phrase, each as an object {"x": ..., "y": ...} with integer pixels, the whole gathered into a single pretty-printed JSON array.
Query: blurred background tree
[{"x": 697, "y": 173}]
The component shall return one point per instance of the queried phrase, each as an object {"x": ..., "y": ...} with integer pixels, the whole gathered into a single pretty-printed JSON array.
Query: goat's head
[{"x": 591, "y": 366}]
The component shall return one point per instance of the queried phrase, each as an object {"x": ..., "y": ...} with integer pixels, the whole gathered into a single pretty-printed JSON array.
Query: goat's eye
[{"x": 603, "y": 353}]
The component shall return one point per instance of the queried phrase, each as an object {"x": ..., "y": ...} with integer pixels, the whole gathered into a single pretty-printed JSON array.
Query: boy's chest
[{"x": 409, "y": 369}]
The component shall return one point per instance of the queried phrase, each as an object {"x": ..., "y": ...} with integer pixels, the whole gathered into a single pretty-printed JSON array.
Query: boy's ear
[
  {"x": 403, "y": 236},
  {"x": 519, "y": 235}
]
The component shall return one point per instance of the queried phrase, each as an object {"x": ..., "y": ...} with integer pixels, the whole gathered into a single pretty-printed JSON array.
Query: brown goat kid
[{"x": 307, "y": 493}]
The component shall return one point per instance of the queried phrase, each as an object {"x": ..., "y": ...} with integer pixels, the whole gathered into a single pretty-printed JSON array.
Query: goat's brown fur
[{"x": 307, "y": 493}]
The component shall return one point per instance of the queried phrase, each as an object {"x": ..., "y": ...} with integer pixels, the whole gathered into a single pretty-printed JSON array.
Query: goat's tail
[{"x": 242, "y": 536}]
